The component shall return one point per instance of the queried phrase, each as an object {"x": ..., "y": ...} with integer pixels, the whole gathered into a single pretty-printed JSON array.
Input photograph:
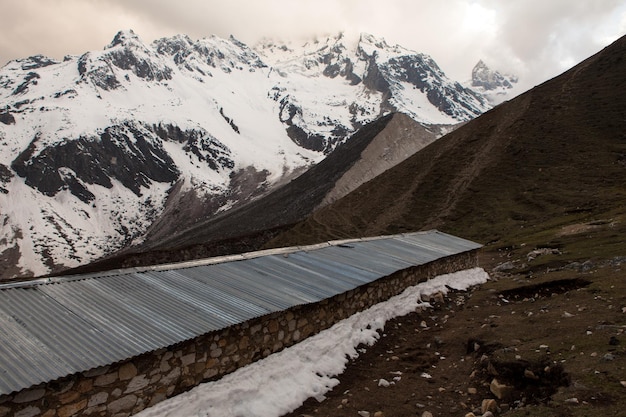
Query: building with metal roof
[{"x": 52, "y": 328}]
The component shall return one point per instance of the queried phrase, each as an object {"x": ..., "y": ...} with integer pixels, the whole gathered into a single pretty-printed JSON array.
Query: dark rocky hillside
[
  {"x": 554, "y": 155},
  {"x": 540, "y": 181}
]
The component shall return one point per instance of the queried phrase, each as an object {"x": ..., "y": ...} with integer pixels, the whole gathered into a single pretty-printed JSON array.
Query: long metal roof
[{"x": 51, "y": 328}]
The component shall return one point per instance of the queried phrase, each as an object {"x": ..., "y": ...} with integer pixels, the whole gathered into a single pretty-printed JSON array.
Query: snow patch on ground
[{"x": 281, "y": 382}]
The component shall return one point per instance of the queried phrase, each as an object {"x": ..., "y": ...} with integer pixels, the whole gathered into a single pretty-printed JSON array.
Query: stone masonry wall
[{"x": 125, "y": 388}]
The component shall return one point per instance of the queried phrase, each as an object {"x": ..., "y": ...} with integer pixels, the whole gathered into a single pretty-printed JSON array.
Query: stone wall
[{"x": 125, "y": 388}]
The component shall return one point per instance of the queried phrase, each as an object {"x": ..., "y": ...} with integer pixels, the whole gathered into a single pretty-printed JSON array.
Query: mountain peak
[
  {"x": 492, "y": 84},
  {"x": 177, "y": 44},
  {"x": 488, "y": 79},
  {"x": 123, "y": 37},
  {"x": 379, "y": 42},
  {"x": 480, "y": 65},
  {"x": 370, "y": 44}
]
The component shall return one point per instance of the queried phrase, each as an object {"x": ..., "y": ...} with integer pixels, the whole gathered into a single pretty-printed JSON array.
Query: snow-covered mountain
[
  {"x": 97, "y": 147},
  {"x": 496, "y": 87}
]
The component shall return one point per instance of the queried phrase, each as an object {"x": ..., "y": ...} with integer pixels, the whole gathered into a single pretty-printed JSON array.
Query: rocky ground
[{"x": 540, "y": 341}]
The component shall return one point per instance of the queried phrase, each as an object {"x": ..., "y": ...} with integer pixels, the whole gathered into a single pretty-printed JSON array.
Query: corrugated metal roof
[{"x": 56, "y": 327}]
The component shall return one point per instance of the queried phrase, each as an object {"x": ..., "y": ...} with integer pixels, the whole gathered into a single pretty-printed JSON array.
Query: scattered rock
[
  {"x": 623, "y": 383},
  {"x": 379, "y": 414},
  {"x": 437, "y": 297},
  {"x": 530, "y": 375},
  {"x": 492, "y": 369},
  {"x": 567, "y": 315},
  {"x": 472, "y": 391},
  {"x": 581, "y": 267},
  {"x": 488, "y": 405},
  {"x": 364, "y": 413},
  {"x": 383, "y": 383},
  {"x": 501, "y": 391},
  {"x": 614, "y": 341},
  {"x": 503, "y": 267},
  {"x": 488, "y": 414},
  {"x": 608, "y": 357},
  {"x": 572, "y": 401},
  {"x": 540, "y": 252},
  {"x": 427, "y": 414}
]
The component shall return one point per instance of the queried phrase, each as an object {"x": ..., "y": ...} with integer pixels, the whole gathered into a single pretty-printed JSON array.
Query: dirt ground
[{"x": 553, "y": 340}]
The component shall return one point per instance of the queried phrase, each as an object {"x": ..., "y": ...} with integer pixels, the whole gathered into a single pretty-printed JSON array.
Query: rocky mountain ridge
[
  {"x": 549, "y": 158},
  {"x": 97, "y": 148},
  {"x": 495, "y": 86}
]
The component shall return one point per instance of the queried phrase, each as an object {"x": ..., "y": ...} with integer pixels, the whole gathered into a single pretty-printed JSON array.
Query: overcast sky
[{"x": 535, "y": 39}]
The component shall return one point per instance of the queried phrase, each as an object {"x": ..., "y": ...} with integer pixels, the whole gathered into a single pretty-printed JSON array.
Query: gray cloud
[{"x": 536, "y": 39}]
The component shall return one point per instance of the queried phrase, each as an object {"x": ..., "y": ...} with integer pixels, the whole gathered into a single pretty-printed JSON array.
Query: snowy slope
[
  {"x": 95, "y": 148},
  {"x": 349, "y": 82}
]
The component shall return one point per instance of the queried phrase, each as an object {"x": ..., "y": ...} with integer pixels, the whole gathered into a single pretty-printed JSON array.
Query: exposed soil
[{"x": 555, "y": 340}]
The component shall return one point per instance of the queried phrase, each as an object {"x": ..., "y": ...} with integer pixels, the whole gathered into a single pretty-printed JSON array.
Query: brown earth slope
[
  {"x": 541, "y": 181},
  {"x": 554, "y": 154}
]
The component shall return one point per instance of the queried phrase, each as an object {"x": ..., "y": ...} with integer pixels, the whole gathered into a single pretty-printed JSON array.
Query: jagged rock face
[
  {"x": 7, "y": 118},
  {"x": 492, "y": 84},
  {"x": 126, "y": 52},
  {"x": 483, "y": 76},
  {"x": 423, "y": 73},
  {"x": 386, "y": 79},
  {"x": 216, "y": 53},
  {"x": 374, "y": 79},
  {"x": 131, "y": 154},
  {"x": 36, "y": 61},
  {"x": 97, "y": 147},
  {"x": 126, "y": 153},
  {"x": 5, "y": 176}
]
